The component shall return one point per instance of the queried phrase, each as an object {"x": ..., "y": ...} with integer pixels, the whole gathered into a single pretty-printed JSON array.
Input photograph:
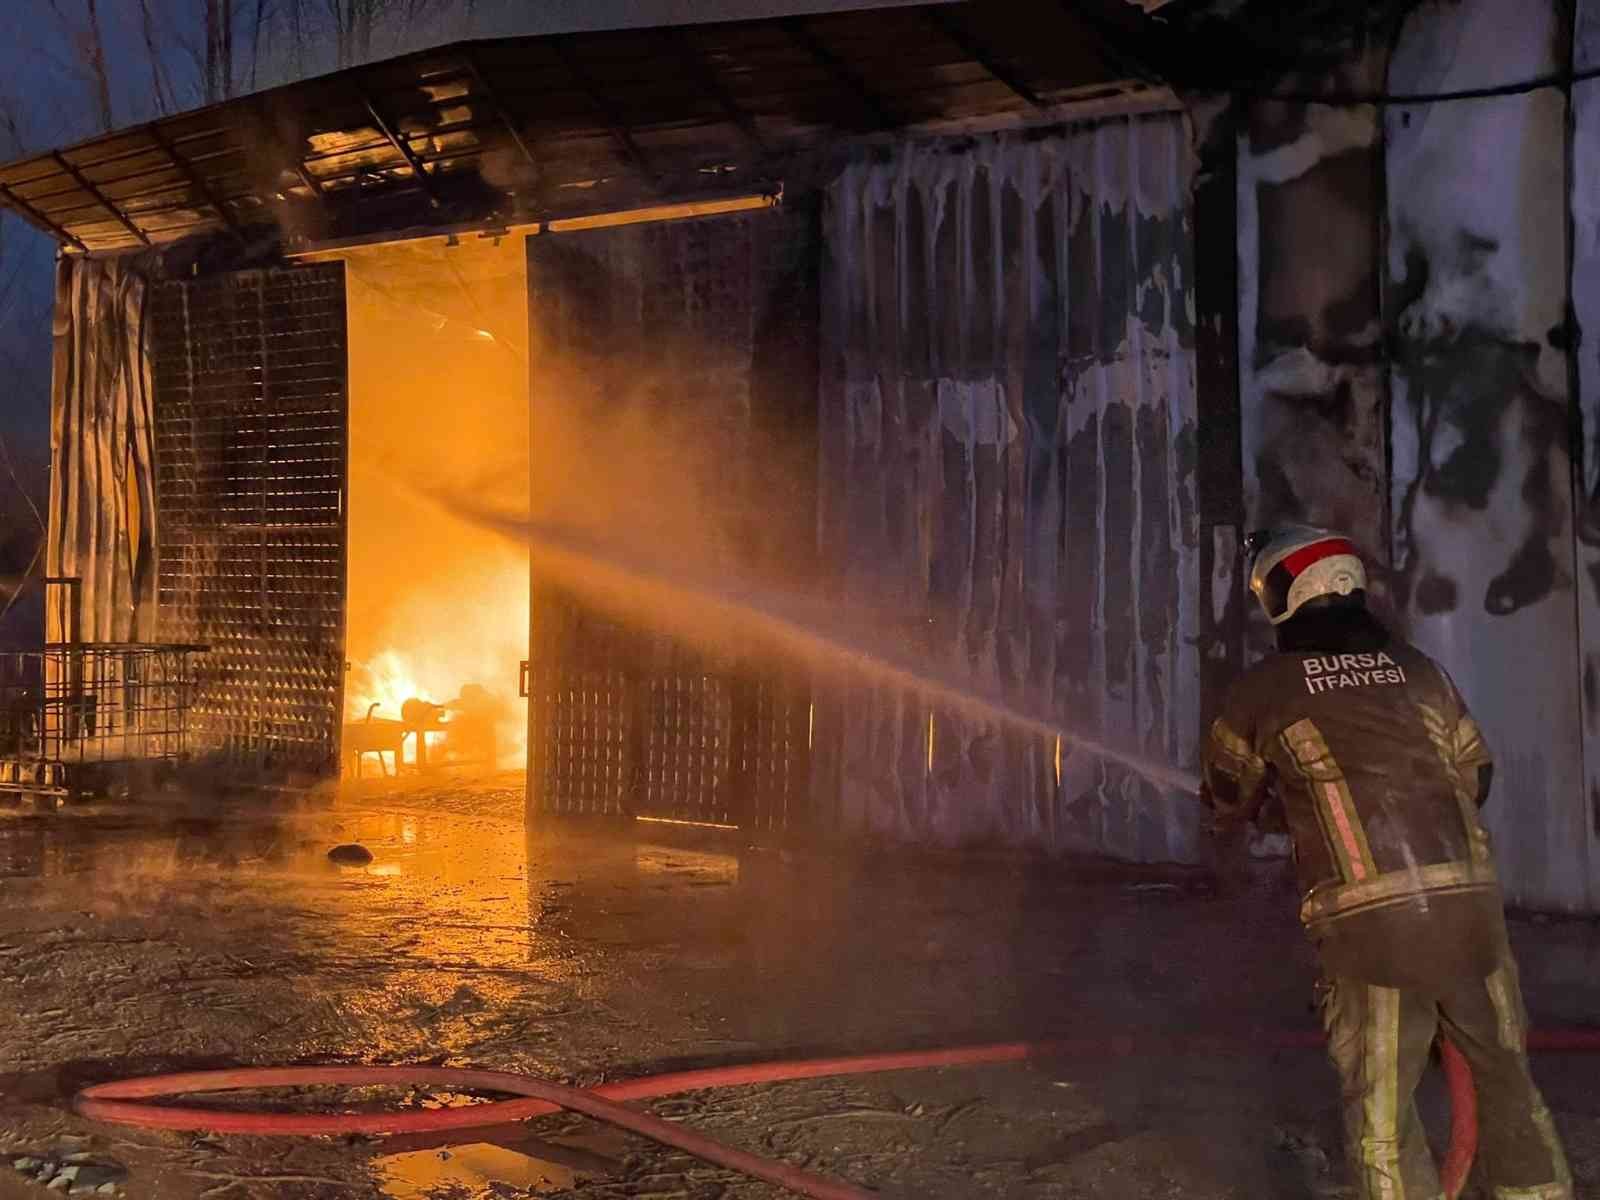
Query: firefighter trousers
[{"x": 1380, "y": 1038}]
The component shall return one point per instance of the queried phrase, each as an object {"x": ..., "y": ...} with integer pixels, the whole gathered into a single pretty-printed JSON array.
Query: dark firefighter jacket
[{"x": 1380, "y": 771}]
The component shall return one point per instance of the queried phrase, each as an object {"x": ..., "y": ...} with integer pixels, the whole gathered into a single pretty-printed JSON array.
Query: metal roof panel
[{"x": 530, "y": 125}]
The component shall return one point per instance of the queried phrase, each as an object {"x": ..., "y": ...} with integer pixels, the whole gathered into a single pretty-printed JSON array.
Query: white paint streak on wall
[
  {"x": 1585, "y": 191},
  {"x": 1310, "y": 380},
  {"x": 1292, "y": 371},
  {"x": 1041, "y": 469},
  {"x": 1329, "y": 132},
  {"x": 1499, "y": 574},
  {"x": 1483, "y": 504}
]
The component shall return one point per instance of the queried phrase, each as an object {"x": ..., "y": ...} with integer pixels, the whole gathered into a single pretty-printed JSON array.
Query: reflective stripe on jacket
[{"x": 1376, "y": 761}]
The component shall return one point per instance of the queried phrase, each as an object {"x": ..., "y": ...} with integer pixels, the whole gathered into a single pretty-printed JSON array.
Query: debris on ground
[
  {"x": 74, "y": 1174},
  {"x": 587, "y": 956}
]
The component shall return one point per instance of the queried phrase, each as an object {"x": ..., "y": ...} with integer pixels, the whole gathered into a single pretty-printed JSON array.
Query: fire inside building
[{"x": 841, "y": 434}]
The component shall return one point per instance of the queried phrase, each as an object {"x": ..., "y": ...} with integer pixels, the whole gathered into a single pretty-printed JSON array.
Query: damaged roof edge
[{"x": 513, "y": 131}]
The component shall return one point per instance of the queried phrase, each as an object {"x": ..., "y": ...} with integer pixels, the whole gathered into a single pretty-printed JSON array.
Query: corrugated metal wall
[
  {"x": 102, "y": 477},
  {"x": 1008, "y": 468}
]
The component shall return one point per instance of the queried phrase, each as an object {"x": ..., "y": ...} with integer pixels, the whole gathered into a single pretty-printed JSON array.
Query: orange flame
[
  {"x": 386, "y": 680},
  {"x": 438, "y": 392},
  {"x": 469, "y": 629}
]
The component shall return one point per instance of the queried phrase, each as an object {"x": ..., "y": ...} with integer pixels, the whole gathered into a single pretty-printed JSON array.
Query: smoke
[
  {"x": 438, "y": 371},
  {"x": 674, "y": 488},
  {"x": 729, "y": 610},
  {"x": 660, "y": 454},
  {"x": 666, "y": 478}
]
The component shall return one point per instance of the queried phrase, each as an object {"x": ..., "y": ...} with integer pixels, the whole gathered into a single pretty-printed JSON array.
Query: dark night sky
[{"x": 47, "y": 92}]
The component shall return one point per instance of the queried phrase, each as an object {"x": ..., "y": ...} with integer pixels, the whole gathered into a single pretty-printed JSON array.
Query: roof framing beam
[
  {"x": 402, "y": 144},
  {"x": 797, "y": 29},
  {"x": 948, "y": 24},
  {"x": 701, "y": 71},
  {"x": 1113, "y": 54},
  {"x": 616, "y": 126},
  {"x": 100, "y": 197},
  {"x": 501, "y": 112},
  {"x": 193, "y": 176},
  {"x": 33, "y": 214},
  {"x": 312, "y": 183},
  {"x": 296, "y": 162}
]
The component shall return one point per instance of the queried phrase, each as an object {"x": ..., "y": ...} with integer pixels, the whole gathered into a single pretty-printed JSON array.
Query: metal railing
[{"x": 68, "y": 706}]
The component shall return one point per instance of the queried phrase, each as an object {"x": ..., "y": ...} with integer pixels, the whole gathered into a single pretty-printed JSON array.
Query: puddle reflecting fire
[
  {"x": 473, "y": 1170},
  {"x": 516, "y": 1164}
]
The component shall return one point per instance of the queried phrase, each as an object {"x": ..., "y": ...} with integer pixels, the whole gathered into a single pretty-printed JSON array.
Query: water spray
[{"x": 614, "y": 580}]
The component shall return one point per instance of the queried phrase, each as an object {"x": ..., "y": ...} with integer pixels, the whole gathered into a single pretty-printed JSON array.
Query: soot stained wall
[
  {"x": 1410, "y": 374},
  {"x": 1008, "y": 462}
]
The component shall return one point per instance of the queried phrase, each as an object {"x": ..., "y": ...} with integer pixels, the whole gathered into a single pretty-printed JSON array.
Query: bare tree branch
[
  {"x": 162, "y": 93},
  {"x": 204, "y": 51},
  {"x": 96, "y": 54},
  {"x": 297, "y": 34},
  {"x": 186, "y": 35},
  {"x": 227, "y": 47},
  {"x": 21, "y": 582},
  {"x": 213, "y": 82},
  {"x": 8, "y": 122},
  {"x": 23, "y": 384},
  {"x": 89, "y": 52},
  {"x": 353, "y": 25},
  {"x": 255, "y": 43},
  {"x": 11, "y": 469}
]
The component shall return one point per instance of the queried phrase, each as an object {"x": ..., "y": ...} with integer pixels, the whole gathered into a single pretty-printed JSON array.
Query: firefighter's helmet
[{"x": 1292, "y": 565}]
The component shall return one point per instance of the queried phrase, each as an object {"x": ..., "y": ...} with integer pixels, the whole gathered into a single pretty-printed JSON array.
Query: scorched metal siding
[
  {"x": 1008, "y": 464},
  {"x": 250, "y": 428}
]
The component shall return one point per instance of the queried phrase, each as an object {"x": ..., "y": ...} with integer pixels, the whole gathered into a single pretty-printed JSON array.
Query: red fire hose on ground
[{"x": 119, "y": 1102}]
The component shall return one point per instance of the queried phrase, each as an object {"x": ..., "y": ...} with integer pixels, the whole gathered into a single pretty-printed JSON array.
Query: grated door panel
[
  {"x": 584, "y": 745},
  {"x": 250, "y": 413},
  {"x": 687, "y": 749},
  {"x": 629, "y": 720},
  {"x": 771, "y": 738}
]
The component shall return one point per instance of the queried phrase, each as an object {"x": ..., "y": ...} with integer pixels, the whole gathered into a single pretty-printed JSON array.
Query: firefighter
[{"x": 1365, "y": 747}]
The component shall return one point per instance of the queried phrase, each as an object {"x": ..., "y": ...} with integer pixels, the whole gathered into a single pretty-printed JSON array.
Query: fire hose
[{"x": 119, "y": 1102}]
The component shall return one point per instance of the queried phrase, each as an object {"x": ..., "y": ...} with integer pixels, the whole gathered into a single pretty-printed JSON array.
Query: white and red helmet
[{"x": 1292, "y": 565}]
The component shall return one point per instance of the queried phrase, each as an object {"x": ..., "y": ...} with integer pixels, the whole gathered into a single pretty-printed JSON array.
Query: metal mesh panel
[
  {"x": 773, "y": 744},
  {"x": 587, "y": 758},
  {"x": 687, "y": 757},
  {"x": 583, "y": 750},
  {"x": 250, "y": 414},
  {"x": 628, "y": 720},
  {"x": 67, "y": 707}
]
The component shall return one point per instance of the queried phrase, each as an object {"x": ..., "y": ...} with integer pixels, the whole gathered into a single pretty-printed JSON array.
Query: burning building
[{"x": 1001, "y": 321}]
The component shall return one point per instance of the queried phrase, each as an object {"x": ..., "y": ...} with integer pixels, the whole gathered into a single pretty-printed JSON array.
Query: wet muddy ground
[{"x": 186, "y": 932}]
